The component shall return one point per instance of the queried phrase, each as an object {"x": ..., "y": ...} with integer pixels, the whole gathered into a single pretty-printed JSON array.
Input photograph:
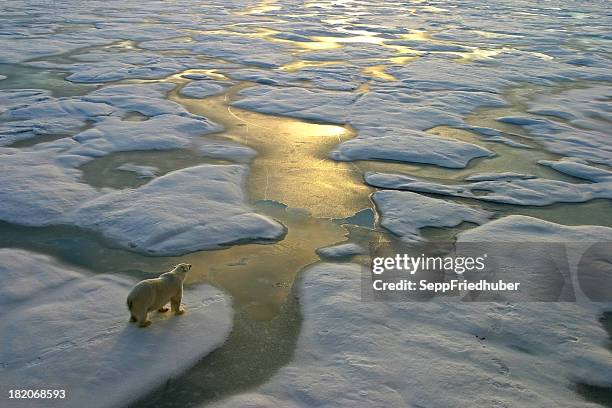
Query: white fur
[{"x": 153, "y": 294}]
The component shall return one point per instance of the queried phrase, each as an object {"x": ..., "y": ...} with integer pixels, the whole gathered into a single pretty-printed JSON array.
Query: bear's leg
[
  {"x": 145, "y": 323},
  {"x": 133, "y": 319},
  {"x": 175, "y": 304},
  {"x": 143, "y": 320}
]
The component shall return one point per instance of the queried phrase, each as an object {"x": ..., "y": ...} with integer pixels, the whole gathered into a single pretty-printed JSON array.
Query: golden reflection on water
[
  {"x": 210, "y": 73},
  {"x": 291, "y": 168},
  {"x": 299, "y": 64},
  {"x": 260, "y": 277},
  {"x": 292, "y": 165},
  {"x": 262, "y": 7},
  {"x": 378, "y": 71},
  {"x": 416, "y": 35}
]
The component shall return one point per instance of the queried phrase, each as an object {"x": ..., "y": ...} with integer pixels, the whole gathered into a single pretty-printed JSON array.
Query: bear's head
[{"x": 182, "y": 269}]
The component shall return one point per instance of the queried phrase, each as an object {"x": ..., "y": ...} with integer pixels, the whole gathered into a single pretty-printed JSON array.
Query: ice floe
[
  {"x": 203, "y": 89},
  {"x": 28, "y": 275},
  {"x": 382, "y": 109},
  {"x": 244, "y": 50},
  {"x": 514, "y": 189},
  {"x": 63, "y": 329},
  {"x": 573, "y": 123},
  {"x": 553, "y": 262},
  {"x": 409, "y": 146},
  {"x": 520, "y": 228},
  {"x": 579, "y": 170},
  {"x": 147, "y": 99},
  {"x": 196, "y": 208},
  {"x": 225, "y": 150},
  {"x": 507, "y": 175},
  {"x": 16, "y": 50},
  {"x": 161, "y": 132},
  {"x": 35, "y": 190},
  {"x": 404, "y": 213},
  {"x": 341, "y": 251},
  {"x": 29, "y": 113},
  {"x": 330, "y": 106}
]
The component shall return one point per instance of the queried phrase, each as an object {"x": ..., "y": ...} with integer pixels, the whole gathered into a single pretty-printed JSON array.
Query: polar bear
[{"x": 154, "y": 294}]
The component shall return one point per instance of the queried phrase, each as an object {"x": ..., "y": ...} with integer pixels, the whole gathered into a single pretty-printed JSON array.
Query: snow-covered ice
[
  {"x": 35, "y": 190},
  {"x": 148, "y": 99},
  {"x": 28, "y": 113},
  {"x": 16, "y": 50},
  {"x": 552, "y": 261},
  {"x": 409, "y": 146},
  {"x": 436, "y": 353},
  {"x": 341, "y": 251},
  {"x": 574, "y": 123},
  {"x": 201, "y": 207},
  {"x": 579, "y": 170},
  {"x": 63, "y": 329},
  {"x": 225, "y": 150},
  {"x": 245, "y": 50},
  {"x": 508, "y": 175},
  {"x": 378, "y": 110},
  {"x": 404, "y": 213},
  {"x": 29, "y": 275},
  {"x": 203, "y": 89},
  {"x": 520, "y": 228},
  {"x": 515, "y": 189},
  {"x": 161, "y": 132}
]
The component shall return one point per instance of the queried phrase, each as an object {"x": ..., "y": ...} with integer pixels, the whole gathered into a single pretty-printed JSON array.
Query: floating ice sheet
[{"x": 404, "y": 213}]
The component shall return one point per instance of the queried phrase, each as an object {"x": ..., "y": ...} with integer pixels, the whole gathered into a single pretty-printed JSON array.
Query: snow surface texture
[
  {"x": 62, "y": 329},
  {"x": 514, "y": 189},
  {"x": 404, "y": 213},
  {"x": 402, "y": 354}
]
